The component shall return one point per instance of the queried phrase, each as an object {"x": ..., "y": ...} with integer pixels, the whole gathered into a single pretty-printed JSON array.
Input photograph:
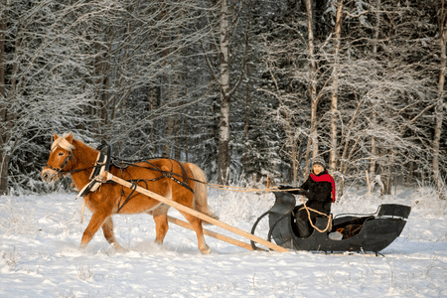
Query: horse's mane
[{"x": 63, "y": 143}]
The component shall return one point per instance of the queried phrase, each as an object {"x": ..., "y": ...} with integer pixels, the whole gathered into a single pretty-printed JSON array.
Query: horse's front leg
[
  {"x": 107, "y": 228},
  {"x": 95, "y": 223}
]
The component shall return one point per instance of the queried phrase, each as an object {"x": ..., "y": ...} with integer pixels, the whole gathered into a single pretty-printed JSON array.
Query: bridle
[{"x": 61, "y": 171}]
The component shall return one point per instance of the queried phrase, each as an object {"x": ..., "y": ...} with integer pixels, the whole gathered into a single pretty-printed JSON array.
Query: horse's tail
[{"x": 200, "y": 191}]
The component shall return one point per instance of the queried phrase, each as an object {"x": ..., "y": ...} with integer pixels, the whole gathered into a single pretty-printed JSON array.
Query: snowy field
[{"x": 39, "y": 254}]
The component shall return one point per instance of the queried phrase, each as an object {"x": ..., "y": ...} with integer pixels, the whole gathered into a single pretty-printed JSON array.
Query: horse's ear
[
  {"x": 55, "y": 137},
  {"x": 70, "y": 138}
]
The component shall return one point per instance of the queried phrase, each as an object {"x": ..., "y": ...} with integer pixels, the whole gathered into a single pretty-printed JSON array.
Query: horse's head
[{"x": 60, "y": 161}]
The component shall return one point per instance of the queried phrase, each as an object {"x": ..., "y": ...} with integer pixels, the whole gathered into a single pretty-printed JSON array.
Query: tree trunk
[
  {"x": 410, "y": 174},
  {"x": 372, "y": 165},
  {"x": 333, "y": 151},
  {"x": 4, "y": 159},
  {"x": 247, "y": 115},
  {"x": 223, "y": 174},
  {"x": 171, "y": 121},
  {"x": 312, "y": 144},
  {"x": 186, "y": 110},
  {"x": 439, "y": 108},
  {"x": 102, "y": 71},
  {"x": 292, "y": 142}
]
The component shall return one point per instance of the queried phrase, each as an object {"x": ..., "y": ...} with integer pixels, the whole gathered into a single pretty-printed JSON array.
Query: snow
[{"x": 40, "y": 255}]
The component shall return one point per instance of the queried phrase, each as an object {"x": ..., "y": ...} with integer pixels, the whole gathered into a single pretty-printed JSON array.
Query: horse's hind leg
[
  {"x": 107, "y": 228},
  {"x": 196, "y": 223},
  {"x": 161, "y": 227},
  {"x": 161, "y": 222}
]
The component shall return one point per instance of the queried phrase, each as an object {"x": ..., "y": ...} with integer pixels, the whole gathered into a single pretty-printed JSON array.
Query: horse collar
[{"x": 102, "y": 164}]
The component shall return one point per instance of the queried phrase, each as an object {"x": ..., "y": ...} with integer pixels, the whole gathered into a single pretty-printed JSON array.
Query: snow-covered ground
[{"x": 39, "y": 254}]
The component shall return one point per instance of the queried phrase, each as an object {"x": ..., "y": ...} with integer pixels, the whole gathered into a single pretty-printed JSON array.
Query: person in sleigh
[{"x": 319, "y": 189}]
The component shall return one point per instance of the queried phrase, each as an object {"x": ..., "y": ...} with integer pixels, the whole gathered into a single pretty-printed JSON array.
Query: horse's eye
[{"x": 61, "y": 153}]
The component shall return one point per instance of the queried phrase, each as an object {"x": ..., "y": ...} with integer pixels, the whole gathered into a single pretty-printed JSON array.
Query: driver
[{"x": 319, "y": 189}]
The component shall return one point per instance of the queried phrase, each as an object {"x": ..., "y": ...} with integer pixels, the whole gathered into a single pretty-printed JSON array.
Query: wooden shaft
[
  {"x": 211, "y": 233},
  {"x": 108, "y": 176}
]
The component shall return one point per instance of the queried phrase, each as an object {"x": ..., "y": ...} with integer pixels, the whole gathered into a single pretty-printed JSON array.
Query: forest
[{"x": 249, "y": 90}]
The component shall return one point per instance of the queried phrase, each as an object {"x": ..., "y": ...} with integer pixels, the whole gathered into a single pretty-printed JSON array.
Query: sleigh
[{"x": 356, "y": 232}]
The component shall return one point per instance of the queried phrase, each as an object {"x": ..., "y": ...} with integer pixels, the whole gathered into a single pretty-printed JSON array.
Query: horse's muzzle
[{"x": 49, "y": 176}]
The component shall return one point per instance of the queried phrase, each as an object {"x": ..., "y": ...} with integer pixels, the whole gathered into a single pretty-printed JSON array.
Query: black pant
[
  {"x": 302, "y": 222},
  {"x": 302, "y": 218}
]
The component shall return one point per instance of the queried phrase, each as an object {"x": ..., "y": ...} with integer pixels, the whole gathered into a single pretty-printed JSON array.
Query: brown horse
[{"x": 71, "y": 156}]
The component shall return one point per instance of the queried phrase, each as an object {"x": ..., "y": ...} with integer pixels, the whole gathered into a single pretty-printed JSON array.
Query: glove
[
  {"x": 284, "y": 187},
  {"x": 295, "y": 191}
]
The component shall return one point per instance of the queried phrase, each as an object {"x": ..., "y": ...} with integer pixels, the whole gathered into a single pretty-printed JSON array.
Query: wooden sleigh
[{"x": 360, "y": 232}]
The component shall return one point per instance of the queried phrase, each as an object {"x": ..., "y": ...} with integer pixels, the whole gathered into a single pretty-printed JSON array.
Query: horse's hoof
[
  {"x": 205, "y": 251},
  {"x": 119, "y": 248}
]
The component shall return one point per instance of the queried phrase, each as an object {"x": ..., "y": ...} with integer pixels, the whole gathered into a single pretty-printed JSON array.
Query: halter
[{"x": 61, "y": 171}]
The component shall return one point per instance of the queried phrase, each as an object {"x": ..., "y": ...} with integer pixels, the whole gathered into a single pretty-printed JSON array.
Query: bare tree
[
  {"x": 229, "y": 19},
  {"x": 439, "y": 111},
  {"x": 314, "y": 99},
  {"x": 44, "y": 82},
  {"x": 334, "y": 100},
  {"x": 4, "y": 122}
]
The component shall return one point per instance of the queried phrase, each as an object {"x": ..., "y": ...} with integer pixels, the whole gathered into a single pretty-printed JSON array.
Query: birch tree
[
  {"x": 314, "y": 99},
  {"x": 227, "y": 82},
  {"x": 334, "y": 99}
]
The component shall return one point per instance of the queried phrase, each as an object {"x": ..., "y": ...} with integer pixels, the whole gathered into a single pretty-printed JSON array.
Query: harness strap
[
  {"x": 133, "y": 188},
  {"x": 103, "y": 163},
  {"x": 169, "y": 175}
]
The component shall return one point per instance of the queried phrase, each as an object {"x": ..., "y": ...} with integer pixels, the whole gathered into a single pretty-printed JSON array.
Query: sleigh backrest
[{"x": 393, "y": 210}]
